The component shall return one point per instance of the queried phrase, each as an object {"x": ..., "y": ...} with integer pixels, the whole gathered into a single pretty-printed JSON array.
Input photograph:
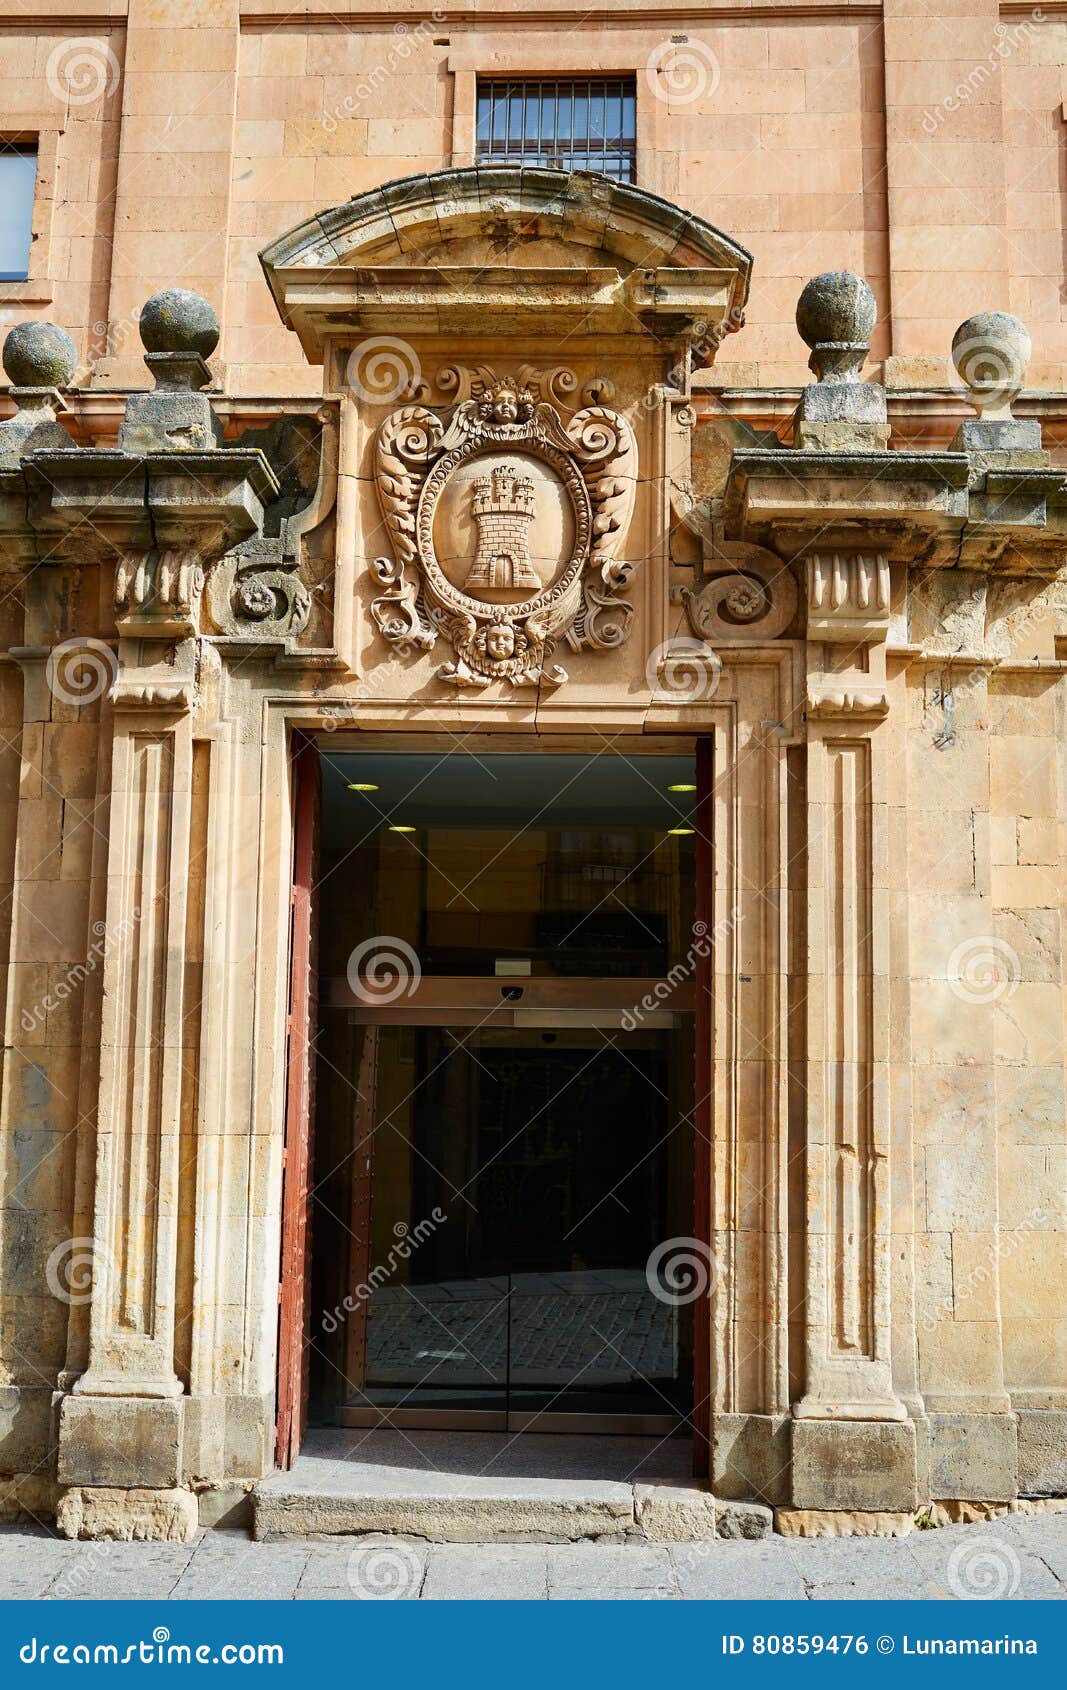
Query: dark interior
[{"x": 486, "y": 1198}]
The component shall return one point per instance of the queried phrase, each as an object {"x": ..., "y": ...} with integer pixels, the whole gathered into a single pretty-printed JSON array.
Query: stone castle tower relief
[{"x": 503, "y": 507}]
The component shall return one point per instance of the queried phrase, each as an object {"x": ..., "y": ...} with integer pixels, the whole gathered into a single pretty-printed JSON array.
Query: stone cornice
[
  {"x": 935, "y": 509},
  {"x": 347, "y": 265}
]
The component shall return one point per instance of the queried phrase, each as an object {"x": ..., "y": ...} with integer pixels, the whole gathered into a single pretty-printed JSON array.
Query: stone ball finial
[
  {"x": 990, "y": 352},
  {"x": 39, "y": 355},
  {"x": 836, "y": 309},
  {"x": 176, "y": 320}
]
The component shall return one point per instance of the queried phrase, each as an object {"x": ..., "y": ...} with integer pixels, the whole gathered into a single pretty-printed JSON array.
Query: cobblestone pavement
[{"x": 1019, "y": 1557}]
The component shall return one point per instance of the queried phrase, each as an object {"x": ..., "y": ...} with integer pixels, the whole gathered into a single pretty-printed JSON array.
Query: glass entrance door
[
  {"x": 505, "y": 1133},
  {"x": 518, "y": 1193}
]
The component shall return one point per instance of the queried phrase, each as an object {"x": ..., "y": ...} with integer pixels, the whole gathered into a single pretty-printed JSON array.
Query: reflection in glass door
[
  {"x": 519, "y": 1182},
  {"x": 501, "y": 1142}
]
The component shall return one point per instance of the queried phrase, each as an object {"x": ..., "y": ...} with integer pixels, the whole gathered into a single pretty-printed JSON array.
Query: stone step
[{"x": 464, "y": 1487}]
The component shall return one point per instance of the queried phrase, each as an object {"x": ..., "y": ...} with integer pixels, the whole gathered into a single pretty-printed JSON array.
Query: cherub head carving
[
  {"x": 506, "y": 402},
  {"x": 500, "y": 641}
]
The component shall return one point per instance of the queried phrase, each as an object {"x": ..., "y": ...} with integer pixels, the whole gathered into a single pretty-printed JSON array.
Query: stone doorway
[{"x": 504, "y": 1133}]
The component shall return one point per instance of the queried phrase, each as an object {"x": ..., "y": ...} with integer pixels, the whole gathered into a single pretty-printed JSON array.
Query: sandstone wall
[{"x": 921, "y": 151}]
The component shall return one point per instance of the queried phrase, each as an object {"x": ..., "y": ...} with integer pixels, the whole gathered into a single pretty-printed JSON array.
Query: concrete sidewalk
[{"x": 1018, "y": 1556}]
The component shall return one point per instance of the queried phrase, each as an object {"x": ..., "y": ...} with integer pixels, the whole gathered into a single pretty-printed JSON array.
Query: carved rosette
[
  {"x": 506, "y": 523},
  {"x": 747, "y": 592},
  {"x": 253, "y": 594}
]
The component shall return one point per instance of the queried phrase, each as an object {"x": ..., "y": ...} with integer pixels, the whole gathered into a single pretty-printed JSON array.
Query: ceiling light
[
  {"x": 362, "y": 786},
  {"x": 401, "y": 827},
  {"x": 683, "y": 786},
  {"x": 677, "y": 831}
]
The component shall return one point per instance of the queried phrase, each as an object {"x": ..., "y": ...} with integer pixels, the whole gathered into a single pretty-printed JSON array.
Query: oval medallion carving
[
  {"x": 504, "y": 527},
  {"x": 512, "y": 520}
]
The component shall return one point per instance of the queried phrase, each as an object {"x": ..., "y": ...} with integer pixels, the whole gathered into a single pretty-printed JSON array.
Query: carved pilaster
[
  {"x": 135, "y": 1231},
  {"x": 848, "y": 1326}
]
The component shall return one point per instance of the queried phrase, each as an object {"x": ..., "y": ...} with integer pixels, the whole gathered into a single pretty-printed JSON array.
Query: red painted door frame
[
  {"x": 294, "y": 1289},
  {"x": 704, "y": 914},
  {"x": 294, "y": 1293}
]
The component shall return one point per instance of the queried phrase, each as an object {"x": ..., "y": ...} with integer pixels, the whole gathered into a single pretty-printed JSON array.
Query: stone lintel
[
  {"x": 372, "y": 244},
  {"x": 95, "y": 505},
  {"x": 924, "y": 509}
]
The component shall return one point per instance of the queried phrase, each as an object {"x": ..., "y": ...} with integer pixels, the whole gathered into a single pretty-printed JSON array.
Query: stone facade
[{"x": 864, "y": 609}]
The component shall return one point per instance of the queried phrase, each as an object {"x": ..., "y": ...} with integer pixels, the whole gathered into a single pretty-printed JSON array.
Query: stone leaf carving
[
  {"x": 848, "y": 596},
  {"x": 159, "y": 590},
  {"x": 506, "y": 523}
]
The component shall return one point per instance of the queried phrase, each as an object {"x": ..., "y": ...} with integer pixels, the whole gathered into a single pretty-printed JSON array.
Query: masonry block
[
  {"x": 1042, "y": 1452},
  {"x": 124, "y": 1516},
  {"x": 120, "y": 1441},
  {"x": 854, "y": 1465},
  {"x": 750, "y": 1456},
  {"x": 973, "y": 1456}
]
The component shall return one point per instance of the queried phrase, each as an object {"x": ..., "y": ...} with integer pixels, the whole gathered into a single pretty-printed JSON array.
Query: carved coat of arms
[{"x": 506, "y": 521}]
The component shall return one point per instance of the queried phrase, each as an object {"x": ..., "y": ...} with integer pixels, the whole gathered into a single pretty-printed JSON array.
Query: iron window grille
[{"x": 586, "y": 124}]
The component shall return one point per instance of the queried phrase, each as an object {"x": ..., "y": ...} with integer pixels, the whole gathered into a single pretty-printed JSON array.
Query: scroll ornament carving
[
  {"x": 747, "y": 593},
  {"x": 506, "y": 523},
  {"x": 750, "y": 594},
  {"x": 254, "y": 595}
]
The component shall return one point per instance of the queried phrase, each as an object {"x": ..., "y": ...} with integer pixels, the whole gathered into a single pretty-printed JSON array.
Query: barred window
[
  {"x": 18, "y": 177},
  {"x": 586, "y": 124}
]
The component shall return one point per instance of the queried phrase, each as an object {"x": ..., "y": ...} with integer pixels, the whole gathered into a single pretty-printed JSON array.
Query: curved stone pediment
[{"x": 464, "y": 247}]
